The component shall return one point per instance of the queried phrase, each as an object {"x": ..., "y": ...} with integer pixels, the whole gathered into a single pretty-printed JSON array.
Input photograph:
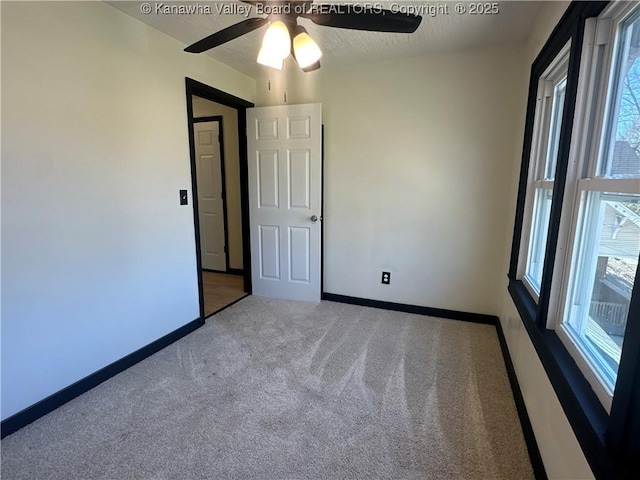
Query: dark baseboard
[
  {"x": 525, "y": 422},
  {"x": 32, "y": 413},
  {"x": 527, "y": 429},
  {"x": 401, "y": 307}
]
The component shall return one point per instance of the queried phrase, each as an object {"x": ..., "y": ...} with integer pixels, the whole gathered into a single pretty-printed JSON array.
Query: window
[
  {"x": 576, "y": 247},
  {"x": 606, "y": 239},
  {"x": 544, "y": 156}
]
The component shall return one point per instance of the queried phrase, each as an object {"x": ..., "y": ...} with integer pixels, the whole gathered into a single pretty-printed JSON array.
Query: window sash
[
  {"x": 604, "y": 63},
  {"x": 557, "y": 111},
  {"x": 575, "y": 313},
  {"x": 610, "y": 442},
  {"x": 549, "y": 114},
  {"x": 620, "y": 37},
  {"x": 539, "y": 234}
]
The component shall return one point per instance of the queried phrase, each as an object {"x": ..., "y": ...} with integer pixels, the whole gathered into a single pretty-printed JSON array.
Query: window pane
[
  {"x": 538, "y": 241},
  {"x": 624, "y": 157},
  {"x": 556, "y": 122},
  {"x": 545, "y": 173},
  {"x": 605, "y": 270}
]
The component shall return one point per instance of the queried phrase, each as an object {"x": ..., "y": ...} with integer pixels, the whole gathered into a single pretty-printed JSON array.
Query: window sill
[{"x": 584, "y": 411}]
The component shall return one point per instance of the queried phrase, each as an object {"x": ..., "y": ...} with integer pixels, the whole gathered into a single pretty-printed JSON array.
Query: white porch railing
[{"x": 612, "y": 317}]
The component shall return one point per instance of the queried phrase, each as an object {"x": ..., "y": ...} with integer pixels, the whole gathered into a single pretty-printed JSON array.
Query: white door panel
[
  {"x": 285, "y": 177},
  {"x": 300, "y": 256},
  {"x": 269, "y": 252},
  {"x": 299, "y": 178},
  {"x": 210, "y": 201},
  {"x": 268, "y": 186}
]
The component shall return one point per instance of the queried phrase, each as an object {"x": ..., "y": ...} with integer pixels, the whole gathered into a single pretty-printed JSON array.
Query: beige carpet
[{"x": 271, "y": 389}]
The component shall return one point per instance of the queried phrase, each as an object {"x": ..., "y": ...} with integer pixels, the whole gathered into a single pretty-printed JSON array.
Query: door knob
[{"x": 313, "y": 218}]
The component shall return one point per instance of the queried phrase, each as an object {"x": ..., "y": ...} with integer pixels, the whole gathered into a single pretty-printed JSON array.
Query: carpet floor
[{"x": 271, "y": 389}]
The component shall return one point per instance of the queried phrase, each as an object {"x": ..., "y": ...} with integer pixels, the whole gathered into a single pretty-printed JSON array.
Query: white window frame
[
  {"x": 593, "y": 114},
  {"x": 541, "y": 146}
]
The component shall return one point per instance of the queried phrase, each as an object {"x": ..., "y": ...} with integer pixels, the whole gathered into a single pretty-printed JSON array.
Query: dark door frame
[
  {"x": 219, "y": 120},
  {"x": 193, "y": 87}
]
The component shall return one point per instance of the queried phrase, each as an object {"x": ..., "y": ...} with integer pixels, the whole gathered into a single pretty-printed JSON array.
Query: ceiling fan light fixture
[
  {"x": 312, "y": 67},
  {"x": 305, "y": 49},
  {"x": 276, "y": 45},
  {"x": 268, "y": 60}
]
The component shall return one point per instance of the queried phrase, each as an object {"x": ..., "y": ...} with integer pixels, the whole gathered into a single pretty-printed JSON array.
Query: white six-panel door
[
  {"x": 285, "y": 179},
  {"x": 210, "y": 202}
]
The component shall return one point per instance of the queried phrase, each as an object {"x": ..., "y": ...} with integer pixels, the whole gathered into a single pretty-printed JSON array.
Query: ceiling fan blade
[
  {"x": 227, "y": 34},
  {"x": 372, "y": 20}
]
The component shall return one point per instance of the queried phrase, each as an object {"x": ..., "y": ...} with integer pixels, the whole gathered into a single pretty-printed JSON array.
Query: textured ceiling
[{"x": 445, "y": 30}]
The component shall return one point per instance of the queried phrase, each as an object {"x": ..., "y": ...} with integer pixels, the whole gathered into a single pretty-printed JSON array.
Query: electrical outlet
[{"x": 386, "y": 278}]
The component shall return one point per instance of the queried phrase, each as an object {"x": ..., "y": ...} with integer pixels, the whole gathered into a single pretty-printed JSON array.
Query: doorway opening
[{"x": 219, "y": 178}]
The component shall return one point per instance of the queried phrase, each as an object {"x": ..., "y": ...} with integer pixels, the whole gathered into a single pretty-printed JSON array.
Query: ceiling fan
[{"x": 282, "y": 17}]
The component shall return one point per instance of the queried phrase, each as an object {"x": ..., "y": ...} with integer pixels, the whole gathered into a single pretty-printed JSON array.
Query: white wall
[
  {"x": 561, "y": 453},
  {"x": 418, "y": 154},
  {"x": 98, "y": 258},
  {"x": 205, "y": 108},
  {"x": 289, "y": 86},
  {"x": 418, "y": 162}
]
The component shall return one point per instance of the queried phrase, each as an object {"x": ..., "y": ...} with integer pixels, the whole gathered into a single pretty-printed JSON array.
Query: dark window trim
[
  {"x": 624, "y": 430},
  {"x": 610, "y": 443}
]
